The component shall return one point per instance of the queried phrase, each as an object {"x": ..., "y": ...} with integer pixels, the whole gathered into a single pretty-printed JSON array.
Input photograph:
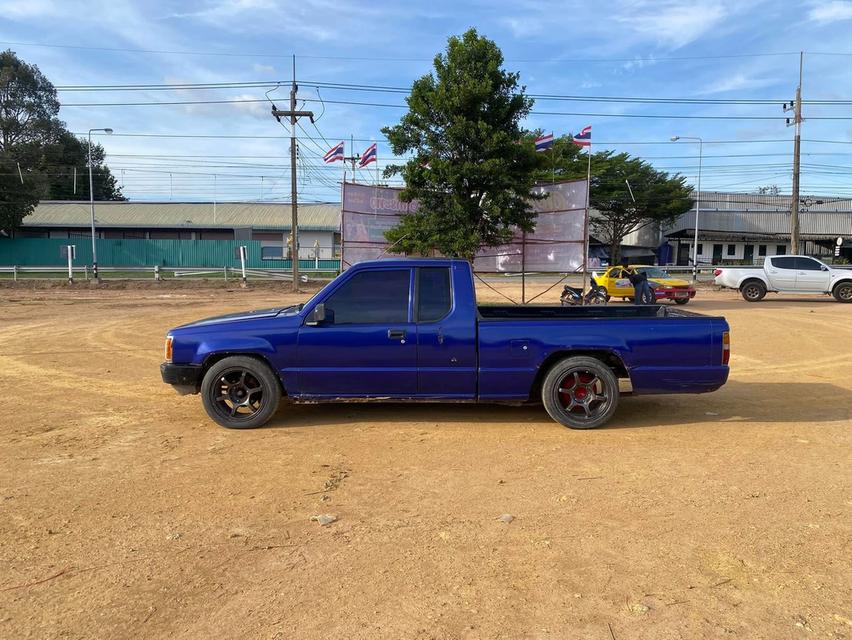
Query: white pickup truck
[{"x": 787, "y": 274}]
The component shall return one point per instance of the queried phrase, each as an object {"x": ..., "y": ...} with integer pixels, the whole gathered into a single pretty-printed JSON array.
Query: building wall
[
  {"x": 271, "y": 243},
  {"x": 733, "y": 252}
]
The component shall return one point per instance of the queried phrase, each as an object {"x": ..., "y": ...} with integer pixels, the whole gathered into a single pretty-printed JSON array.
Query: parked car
[
  {"x": 411, "y": 330},
  {"x": 617, "y": 284},
  {"x": 787, "y": 274}
]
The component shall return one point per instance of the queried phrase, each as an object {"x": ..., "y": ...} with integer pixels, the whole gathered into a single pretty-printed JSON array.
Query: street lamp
[
  {"x": 92, "y": 204},
  {"x": 697, "y": 200}
]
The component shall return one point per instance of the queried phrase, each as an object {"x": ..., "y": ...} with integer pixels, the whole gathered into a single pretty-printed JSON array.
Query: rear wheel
[
  {"x": 753, "y": 291},
  {"x": 681, "y": 300},
  {"x": 843, "y": 292},
  {"x": 580, "y": 392},
  {"x": 240, "y": 392}
]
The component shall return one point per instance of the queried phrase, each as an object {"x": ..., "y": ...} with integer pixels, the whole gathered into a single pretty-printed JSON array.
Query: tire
[
  {"x": 681, "y": 300},
  {"x": 240, "y": 392},
  {"x": 580, "y": 392},
  {"x": 753, "y": 290},
  {"x": 843, "y": 292}
]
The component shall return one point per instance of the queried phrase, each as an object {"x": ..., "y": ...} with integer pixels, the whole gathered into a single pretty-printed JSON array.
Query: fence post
[
  {"x": 225, "y": 269},
  {"x": 86, "y": 271},
  {"x": 157, "y": 272},
  {"x": 15, "y": 272},
  {"x": 243, "y": 263},
  {"x": 69, "y": 249}
]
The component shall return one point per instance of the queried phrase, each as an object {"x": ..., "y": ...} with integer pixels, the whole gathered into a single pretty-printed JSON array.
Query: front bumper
[
  {"x": 674, "y": 294},
  {"x": 185, "y": 378}
]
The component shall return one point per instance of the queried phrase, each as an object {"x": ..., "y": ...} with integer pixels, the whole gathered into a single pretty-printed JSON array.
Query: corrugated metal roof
[
  {"x": 759, "y": 215},
  {"x": 312, "y": 217}
]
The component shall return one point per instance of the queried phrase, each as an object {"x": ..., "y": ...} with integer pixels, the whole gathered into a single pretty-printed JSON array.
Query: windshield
[{"x": 653, "y": 272}]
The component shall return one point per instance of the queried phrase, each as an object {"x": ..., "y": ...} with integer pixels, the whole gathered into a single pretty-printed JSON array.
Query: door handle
[{"x": 396, "y": 334}]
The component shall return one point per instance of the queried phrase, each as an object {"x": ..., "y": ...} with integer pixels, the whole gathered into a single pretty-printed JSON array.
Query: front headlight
[{"x": 168, "y": 350}]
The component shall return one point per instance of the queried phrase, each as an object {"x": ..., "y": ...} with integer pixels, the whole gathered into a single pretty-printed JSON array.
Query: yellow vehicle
[{"x": 617, "y": 283}]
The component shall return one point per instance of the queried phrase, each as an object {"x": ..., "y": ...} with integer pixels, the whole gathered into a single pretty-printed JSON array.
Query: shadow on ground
[{"x": 740, "y": 402}]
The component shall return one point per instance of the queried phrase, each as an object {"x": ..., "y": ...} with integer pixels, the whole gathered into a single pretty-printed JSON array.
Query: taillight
[
  {"x": 726, "y": 347},
  {"x": 168, "y": 351},
  {"x": 717, "y": 272}
]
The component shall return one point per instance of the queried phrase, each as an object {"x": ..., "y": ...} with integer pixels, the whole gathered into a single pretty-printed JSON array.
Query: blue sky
[{"x": 633, "y": 48}]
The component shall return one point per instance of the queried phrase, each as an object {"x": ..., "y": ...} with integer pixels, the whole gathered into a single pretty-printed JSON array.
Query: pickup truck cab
[
  {"x": 787, "y": 274},
  {"x": 410, "y": 330}
]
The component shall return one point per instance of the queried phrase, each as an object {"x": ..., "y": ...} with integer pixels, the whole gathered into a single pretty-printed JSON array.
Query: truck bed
[{"x": 542, "y": 312}]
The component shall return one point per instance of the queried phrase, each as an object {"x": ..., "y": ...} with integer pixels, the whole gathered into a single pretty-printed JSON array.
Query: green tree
[
  {"x": 70, "y": 153},
  {"x": 659, "y": 197},
  {"x": 37, "y": 152},
  {"x": 472, "y": 178}
]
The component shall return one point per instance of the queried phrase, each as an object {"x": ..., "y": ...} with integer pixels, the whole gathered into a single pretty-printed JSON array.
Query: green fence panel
[{"x": 45, "y": 252}]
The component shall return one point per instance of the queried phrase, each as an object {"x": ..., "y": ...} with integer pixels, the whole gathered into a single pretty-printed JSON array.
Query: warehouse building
[
  {"x": 742, "y": 228},
  {"x": 319, "y": 224}
]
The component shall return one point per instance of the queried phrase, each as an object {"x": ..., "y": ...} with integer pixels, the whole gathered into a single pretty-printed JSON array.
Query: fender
[{"x": 232, "y": 344}]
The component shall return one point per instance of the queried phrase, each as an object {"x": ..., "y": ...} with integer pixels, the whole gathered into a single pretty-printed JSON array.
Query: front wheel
[
  {"x": 580, "y": 392},
  {"x": 240, "y": 392},
  {"x": 843, "y": 292}
]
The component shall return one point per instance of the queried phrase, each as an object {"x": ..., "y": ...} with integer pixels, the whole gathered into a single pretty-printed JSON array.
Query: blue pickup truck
[{"x": 410, "y": 330}]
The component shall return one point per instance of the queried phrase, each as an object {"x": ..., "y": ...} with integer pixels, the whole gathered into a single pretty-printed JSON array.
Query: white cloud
[
  {"x": 736, "y": 81},
  {"x": 834, "y": 11},
  {"x": 29, "y": 9},
  {"x": 675, "y": 23},
  {"x": 263, "y": 68}
]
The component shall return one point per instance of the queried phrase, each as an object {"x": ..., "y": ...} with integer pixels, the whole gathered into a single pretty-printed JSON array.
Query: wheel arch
[
  {"x": 752, "y": 278},
  {"x": 608, "y": 356},
  {"x": 217, "y": 356},
  {"x": 842, "y": 280}
]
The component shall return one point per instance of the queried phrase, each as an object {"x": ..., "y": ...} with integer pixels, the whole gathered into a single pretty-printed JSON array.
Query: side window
[
  {"x": 433, "y": 294},
  {"x": 372, "y": 297},
  {"x": 807, "y": 264},
  {"x": 784, "y": 262}
]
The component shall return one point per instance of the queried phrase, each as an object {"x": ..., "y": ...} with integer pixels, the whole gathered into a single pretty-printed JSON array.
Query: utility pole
[
  {"x": 796, "y": 107},
  {"x": 294, "y": 216},
  {"x": 354, "y": 158}
]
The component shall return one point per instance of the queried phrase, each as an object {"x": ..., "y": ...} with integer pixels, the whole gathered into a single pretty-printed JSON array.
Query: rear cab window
[
  {"x": 784, "y": 262},
  {"x": 434, "y": 293}
]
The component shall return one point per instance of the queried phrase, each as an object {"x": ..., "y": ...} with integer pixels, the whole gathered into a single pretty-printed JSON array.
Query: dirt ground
[{"x": 126, "y": 513}]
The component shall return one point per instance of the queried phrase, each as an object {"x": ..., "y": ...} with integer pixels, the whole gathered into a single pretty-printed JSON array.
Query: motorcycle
[{"x": 573, "y": 296}]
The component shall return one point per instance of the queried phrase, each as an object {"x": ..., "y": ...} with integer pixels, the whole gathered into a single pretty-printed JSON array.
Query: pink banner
[{"x": 556, "y": 245}]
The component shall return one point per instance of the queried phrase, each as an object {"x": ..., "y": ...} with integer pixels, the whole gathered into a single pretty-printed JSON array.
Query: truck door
[
  {"x": 781, "y": 271},
  {"x": 446, "y": 338},
  {"x": 368, "y": 344},
  {"x": 810, "y": 275}
]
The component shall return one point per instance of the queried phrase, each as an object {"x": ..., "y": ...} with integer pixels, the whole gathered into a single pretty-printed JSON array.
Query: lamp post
[
  {"x": 697, "y": 200},
  {"x": 92, "y": 204}
]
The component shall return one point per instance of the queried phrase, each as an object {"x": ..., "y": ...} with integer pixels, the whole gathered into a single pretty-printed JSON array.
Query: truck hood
[{"x": 242, "y": 315}]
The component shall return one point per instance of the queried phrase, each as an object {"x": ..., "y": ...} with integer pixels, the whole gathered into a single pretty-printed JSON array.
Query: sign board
[{"x": 556, "y": 245}]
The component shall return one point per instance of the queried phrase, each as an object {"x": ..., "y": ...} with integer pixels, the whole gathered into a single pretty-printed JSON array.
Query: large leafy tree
[
  {"x": 37, "y": 152},
  {"x": 468, "y": 171},
  {"x": 659, "y": 197},
  {"x": 68, "y": 154}
]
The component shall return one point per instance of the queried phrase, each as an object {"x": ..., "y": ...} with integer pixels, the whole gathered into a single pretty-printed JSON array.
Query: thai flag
[
  {"x": 334, "y": 154},
  {"x": 543, "y": 143},
  {"x": 584, "y": 138},
  {"x": 370, "y": 155}
]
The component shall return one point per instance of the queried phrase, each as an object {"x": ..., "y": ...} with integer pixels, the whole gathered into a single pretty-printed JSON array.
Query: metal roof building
[
  {"x": 319, "y": 224},
  {"x": 741, "y": 227},
  {"x": 184, "y": 215}
]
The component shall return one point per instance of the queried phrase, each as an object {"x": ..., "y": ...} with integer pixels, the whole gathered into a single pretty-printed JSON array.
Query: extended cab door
[
  {"x": 367, "y": 346},
  {"x": 781, "y": 271},
  {"x": 811, "y": 276},
  {"x": 446, "y": 336}
]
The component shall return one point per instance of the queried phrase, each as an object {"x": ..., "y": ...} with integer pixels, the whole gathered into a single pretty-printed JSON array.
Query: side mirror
[
  {"x": 824, "y": 268},
  {"x": 317, "y": 315}
]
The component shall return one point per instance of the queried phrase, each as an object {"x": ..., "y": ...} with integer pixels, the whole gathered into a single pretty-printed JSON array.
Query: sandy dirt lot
[{"x": 126, "y": 513}]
